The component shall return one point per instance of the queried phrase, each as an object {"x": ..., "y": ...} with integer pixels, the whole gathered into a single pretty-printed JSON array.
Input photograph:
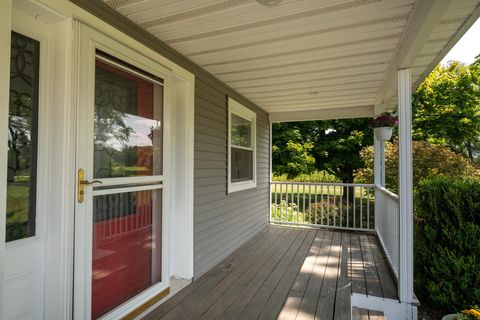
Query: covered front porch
[
  {"x": 215, "y": 247},
  {"x": 289, "y": 273}
]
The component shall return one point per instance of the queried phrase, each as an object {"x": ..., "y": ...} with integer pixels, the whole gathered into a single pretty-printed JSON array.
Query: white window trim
[{"x": 241, "y": 111}]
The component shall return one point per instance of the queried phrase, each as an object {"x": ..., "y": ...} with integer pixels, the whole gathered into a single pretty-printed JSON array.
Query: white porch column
[
  {"x": 378, "y": 172},
  {"x": 270, "y": 171},
  {"x": 405, "y": 176},
  {"x": 379, "y": 162}
]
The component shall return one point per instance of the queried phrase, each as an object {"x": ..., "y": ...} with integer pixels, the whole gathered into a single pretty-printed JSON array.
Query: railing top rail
[
  {"x": 339, "y": 184},
  {"x": 387, "y": 192}
]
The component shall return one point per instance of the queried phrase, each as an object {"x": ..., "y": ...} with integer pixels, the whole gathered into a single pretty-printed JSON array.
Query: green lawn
[
  {"x": 17, "y": 210},
  {"x": 17, "y": 203}
]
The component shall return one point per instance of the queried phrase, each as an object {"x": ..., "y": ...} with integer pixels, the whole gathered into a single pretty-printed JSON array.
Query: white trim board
[{"x": 5, "y": 27}]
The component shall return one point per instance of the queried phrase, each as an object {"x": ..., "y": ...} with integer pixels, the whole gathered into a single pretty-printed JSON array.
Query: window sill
[{"x": 239, "y": 186}]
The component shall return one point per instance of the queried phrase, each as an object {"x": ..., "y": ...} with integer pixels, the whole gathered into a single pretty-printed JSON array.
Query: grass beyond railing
[{"x": 336, "y": 205}]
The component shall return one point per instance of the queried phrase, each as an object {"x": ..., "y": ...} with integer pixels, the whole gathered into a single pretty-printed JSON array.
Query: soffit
[{"x": 302, "y": 55}]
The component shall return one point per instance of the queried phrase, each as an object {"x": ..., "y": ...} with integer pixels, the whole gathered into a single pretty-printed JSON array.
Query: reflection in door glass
[
  {"x": 22, "y": 137},
  {"x": 128, "y": 124},
  {"x": 127, "y": 247}
]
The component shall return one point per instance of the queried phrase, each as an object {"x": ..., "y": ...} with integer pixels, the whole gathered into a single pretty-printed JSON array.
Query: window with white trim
[{"x": 242, "y": 173}]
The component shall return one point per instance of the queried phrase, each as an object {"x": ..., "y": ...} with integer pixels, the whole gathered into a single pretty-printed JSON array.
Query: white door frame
[
  {"x": 62, "y": 17},
  {"x": 89, "y": 41},
  {"x": 24, "y": 271},
  {"x": 5, "y": 26}
]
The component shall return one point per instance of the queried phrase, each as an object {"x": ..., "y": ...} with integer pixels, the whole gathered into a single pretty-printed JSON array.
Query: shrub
[
  {"x": 428, "y": 161},
  {"x": 323, "y": 212},
  {"x": 286, "y": 212},
  {"x": 447, "y": 243}
]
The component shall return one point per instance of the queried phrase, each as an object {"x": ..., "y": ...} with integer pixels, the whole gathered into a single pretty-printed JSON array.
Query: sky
[{"x": 467, "y": 48}]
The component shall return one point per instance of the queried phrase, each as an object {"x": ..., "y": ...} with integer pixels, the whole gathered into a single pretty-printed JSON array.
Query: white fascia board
[
  {"x": 322, "y": 114},
  {"x": 450, "y": 44},
  {"x": 422, "y": 21}
]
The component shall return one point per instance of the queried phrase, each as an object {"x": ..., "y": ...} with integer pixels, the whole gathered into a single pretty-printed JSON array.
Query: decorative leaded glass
[{"x": 22, "y": 137}]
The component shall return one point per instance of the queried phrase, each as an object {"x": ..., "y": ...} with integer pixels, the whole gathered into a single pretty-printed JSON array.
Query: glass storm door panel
[{"x": 127, "y": 206}]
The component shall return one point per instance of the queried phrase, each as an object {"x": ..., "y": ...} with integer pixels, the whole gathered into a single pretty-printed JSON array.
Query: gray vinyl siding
[{"x": 223, "y": 222}]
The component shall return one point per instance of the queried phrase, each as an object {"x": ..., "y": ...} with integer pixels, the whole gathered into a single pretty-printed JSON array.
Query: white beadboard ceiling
[{"x": 319, "y": 58}]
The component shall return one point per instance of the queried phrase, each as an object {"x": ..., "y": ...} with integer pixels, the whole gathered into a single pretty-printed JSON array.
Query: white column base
[{"x": 392, "y": 309}]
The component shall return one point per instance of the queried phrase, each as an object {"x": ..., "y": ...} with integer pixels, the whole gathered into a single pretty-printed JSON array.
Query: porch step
[{"x": 364, "y": 314}]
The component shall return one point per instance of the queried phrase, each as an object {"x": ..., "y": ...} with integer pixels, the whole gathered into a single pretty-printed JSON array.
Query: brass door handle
[
  {"x": 81, "y": 183},
  {"x": 86, "y": 182}
]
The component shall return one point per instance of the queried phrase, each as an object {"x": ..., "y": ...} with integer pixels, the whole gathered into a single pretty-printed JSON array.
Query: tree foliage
[
  {"x": 333, "y": 145},
  {"x": 428, "y": 161},
  {"x": 291, "y": 152},
  {"x": 446, "y": 108}
]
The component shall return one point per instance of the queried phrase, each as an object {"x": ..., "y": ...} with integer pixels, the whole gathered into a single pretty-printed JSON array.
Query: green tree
[
  {"x": 446, "y": 108},
  {"x": 291, "y": 153},
  {"x": 337, "y": 146},
  {"x": 334, "y": 145}
]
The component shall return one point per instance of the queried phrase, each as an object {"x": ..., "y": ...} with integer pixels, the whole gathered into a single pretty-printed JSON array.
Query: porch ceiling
[{"x": 307, "y": 59}]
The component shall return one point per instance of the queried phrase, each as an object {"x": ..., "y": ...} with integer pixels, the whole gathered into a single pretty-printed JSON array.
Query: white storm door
[{"x": 121, "y": 234}]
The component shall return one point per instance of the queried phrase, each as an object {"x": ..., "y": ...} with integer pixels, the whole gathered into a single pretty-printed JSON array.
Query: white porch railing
[
  {"x": 387, "y": 225},
  {"x": 334, "y": 205}
]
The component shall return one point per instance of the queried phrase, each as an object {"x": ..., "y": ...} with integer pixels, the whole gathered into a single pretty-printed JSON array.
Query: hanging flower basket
[
  {"x": 383, "y": 133},
  {"x": 383, "y": 125}
]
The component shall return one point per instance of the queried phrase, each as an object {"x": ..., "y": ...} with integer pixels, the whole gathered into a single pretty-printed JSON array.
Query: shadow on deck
[{"x": 287, "y": 273}]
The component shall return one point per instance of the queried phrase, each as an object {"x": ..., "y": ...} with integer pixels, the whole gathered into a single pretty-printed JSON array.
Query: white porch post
[
  {"x": 378, "y": 172},
  {"x": 405, "y": 191},
  {"x": 379, "y": 162},
  {"x": 270, "y": 172}
]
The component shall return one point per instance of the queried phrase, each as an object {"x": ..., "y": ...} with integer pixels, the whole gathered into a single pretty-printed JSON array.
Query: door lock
[{"x": 81, "y": 183}]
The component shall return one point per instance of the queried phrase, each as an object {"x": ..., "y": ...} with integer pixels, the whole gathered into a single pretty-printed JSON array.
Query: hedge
[{"x": 447, "y": 243}]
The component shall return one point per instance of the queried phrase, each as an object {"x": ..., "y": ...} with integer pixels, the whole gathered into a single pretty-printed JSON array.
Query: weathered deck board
[
  {"x": 342, "y": 299},
  {"x": 356, "y": 270},
  {"x": 389, "y": 289},
  {"x": 363, "y": 314},
  {"x": 287, "y": 273},
  {"x": 308, "y": 305},
  {"x": 326, "y": 299},
  {"x": 241, "y": 276},
  {"x": 297, "y": 290},
  {"x": 280, "y": 291},
  {"x": 371, "y": 277}
]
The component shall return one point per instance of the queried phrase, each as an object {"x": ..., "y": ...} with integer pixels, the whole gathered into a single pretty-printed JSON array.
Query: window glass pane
[
  {"x": 128, "y": 124},
  {"x": 127, "y": 247},
  {"x": 22, "y": 137},
  {"x": 241, "y": 132},
  {"x": 241, "y": 165}
]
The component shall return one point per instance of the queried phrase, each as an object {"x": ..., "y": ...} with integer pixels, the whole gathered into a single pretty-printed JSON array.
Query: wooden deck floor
[{"x": 287, "y": 273}]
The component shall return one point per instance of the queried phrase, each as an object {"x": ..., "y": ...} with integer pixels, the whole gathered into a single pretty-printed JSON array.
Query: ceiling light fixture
[{"x": 269, "y": 3}]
